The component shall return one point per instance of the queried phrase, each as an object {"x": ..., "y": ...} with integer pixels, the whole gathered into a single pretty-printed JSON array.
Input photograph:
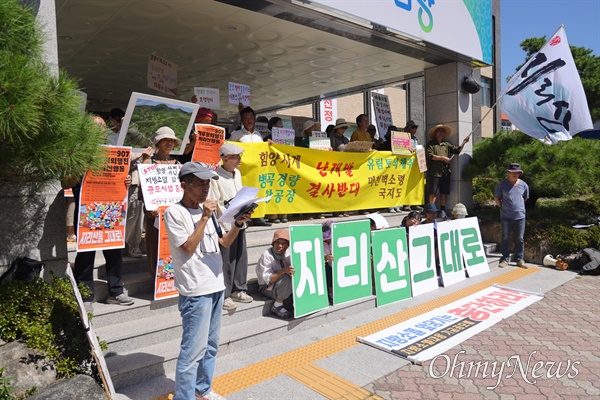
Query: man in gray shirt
[{"x": 510, "y": 195}]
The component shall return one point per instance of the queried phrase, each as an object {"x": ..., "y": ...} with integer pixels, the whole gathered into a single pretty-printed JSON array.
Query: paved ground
[{"x": 559, "y": 334}]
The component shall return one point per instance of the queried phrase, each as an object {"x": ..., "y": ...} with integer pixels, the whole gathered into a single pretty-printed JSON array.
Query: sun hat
[
  {"x": 327, "y": 229},
  {"x": 281, "y": 234},
  {"x": 460, "y": 209},
  {"x": 197, "y": 169},
  {"x": 230, "y": 149},
  {"x": 447, "y": 131},
  {"x": 411, "y": 124},
  {"x": 309, "y": 123},
  {"x": 341, "y": 123},
  {"x": 429, "y": 207},
  {"x": 165, "y": 133},
  {"x": 514, "y": 167}
]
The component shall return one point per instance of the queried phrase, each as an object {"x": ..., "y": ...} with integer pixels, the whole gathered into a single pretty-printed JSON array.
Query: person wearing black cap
[
  {"x": 198, "y": 270},
  {"x": 510, "y": 195}
]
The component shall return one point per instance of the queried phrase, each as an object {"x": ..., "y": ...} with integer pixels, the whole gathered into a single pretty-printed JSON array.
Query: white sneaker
[
  {"x": 122, "y": 300},
  {"x": 135, "y": 252},
  {"x": 228, "y": 304},
  {"x": 241, "y": 297},
  {"x": 210, "y": 396}
]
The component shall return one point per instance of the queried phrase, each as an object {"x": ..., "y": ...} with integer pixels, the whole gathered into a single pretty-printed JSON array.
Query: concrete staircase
[{"x": 143, "y": 339}]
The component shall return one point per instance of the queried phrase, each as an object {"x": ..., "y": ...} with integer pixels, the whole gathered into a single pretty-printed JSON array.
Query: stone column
[{"x": 446, "y": 103}]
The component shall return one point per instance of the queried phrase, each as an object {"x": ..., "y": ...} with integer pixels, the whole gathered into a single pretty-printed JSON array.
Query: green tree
[
  {"x": 43, "y": 132},
  {"x": 587, "y": 64}
]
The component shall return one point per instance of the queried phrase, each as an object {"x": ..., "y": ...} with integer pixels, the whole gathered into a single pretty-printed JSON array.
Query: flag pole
[{"x": 478, "y": 125}]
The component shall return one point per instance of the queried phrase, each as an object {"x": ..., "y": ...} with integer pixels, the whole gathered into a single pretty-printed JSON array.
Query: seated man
[{"x": 274, "y": 272}]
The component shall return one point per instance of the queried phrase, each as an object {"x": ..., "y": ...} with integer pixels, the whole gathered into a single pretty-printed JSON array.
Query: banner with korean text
[
  {"x": 310, "y": 289},
  {"x": 308, "y": 180},
  {"x": 164, "y": 281},
  {"x": 103, "y": 203},
  {"x": 428, "y": 335}
]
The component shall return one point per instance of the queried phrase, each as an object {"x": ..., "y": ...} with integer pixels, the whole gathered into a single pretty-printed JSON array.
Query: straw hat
[{"x": 447, "y": 131}]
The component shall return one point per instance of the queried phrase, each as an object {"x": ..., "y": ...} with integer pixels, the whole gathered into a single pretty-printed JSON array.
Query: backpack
[{"x": 587, "y": 262}]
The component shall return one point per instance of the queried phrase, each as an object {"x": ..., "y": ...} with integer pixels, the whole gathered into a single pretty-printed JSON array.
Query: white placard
[
  {"x": 284, "y": 136},
  {"x": 262, "y": 128},
  {"x": 318, "y": 143},
  {"x": 207, "y": 97},
  {"x": 239, "y": 93},
  {"x": 162, "y": 75},
  {"x": 383, "y": 113},
  {"x": 428, "y": 335},
  {"x": 160, "y": 184}
]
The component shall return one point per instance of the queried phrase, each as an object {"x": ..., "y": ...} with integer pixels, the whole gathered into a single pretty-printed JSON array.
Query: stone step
[{"x": 149, "y": 355}]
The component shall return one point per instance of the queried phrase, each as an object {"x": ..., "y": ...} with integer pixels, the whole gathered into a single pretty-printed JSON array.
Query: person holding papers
[
  {"x": 198, "y": 268},
  {"x": 235, "y": 257}
]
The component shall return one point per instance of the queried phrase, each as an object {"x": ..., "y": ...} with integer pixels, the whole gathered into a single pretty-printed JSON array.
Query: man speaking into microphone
[
  {"x": 198, "y": 269},
  {"x": 235, "y": 258}
]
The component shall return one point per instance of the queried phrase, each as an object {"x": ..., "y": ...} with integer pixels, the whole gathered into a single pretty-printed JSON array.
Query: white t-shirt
[
  {"x": 200, "y": 273},
  {"x": 245, "y": 136}
]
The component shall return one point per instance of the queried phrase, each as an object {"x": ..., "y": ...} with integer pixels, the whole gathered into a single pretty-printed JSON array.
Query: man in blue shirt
[{"x": 511, "y": 195}]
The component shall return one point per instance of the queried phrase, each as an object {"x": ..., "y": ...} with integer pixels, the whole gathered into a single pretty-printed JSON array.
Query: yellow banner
[{"x": 302, "y": 180}]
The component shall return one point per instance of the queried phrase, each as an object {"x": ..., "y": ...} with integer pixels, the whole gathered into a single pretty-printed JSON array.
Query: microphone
[{"x": 216, "y": 224}]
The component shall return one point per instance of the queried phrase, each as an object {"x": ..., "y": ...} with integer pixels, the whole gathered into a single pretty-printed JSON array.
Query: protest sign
[
  {"x": 298, "y": 178},
  {"x": 383, "y": 113},
  {"x": 471, "y": 246},
  {"x": 146, "y": 113},
  {"x": 401, "y": 143},
  {"x": 319, "y": 143},
  {"x": 207, "y": 97},
  {"x": 351, "y": 246},
  {"x": 421, "y": 159},
  {"x": 164, "y": 280},
  {"x": 391, "y": 267},
  {"x": 310, "y": 289},
  {"x": 239, "y": 93},
  {"x": 103, "y": 203},
  {"x": 209, "y": 139},
  {"x": 449, "y": 252},
  {"x": 160, "y": 184},
  {"x": 421, "y": 250},
  {"x": 428, "y": 335},
  {"x": 284, "y": 136},
  {"x": 162, "y": 75}
]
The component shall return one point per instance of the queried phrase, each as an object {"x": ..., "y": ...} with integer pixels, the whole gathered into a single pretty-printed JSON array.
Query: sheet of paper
[{"x": 245, "y": 196}]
